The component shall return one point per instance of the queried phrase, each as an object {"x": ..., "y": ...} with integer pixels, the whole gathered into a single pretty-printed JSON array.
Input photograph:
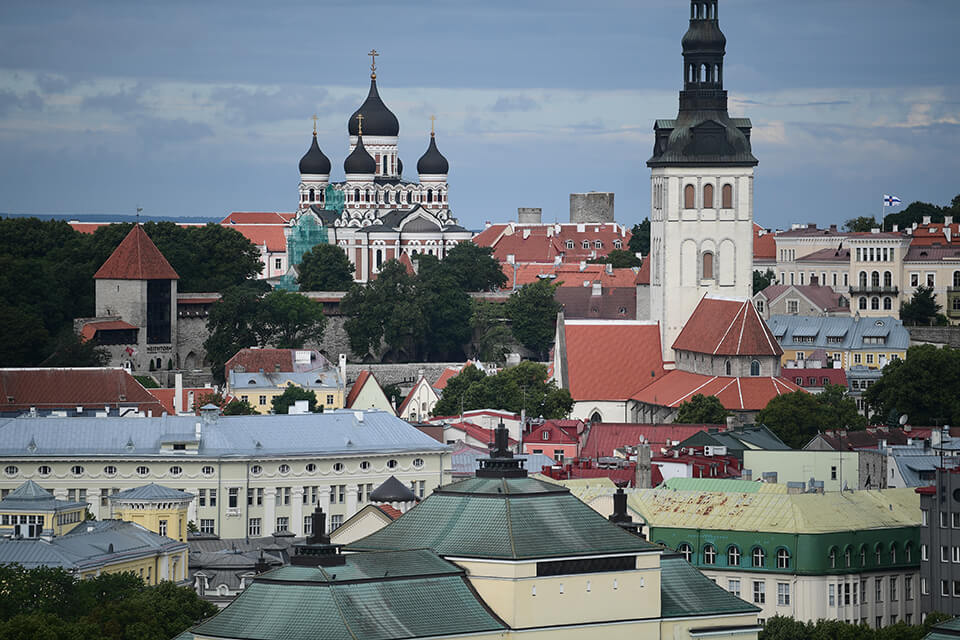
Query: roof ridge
[{"x": 724, "y": 336}]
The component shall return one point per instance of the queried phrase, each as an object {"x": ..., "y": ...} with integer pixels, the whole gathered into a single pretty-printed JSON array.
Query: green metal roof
[
  {"x": 369, "y": 566},
  {"x": 504, "y": 518},
  {"x": 722, "y": 485},
  {"x": 946, "y": 630},
  {"x": 684, "y": 591},
  {"x": 412, "y": 606}
]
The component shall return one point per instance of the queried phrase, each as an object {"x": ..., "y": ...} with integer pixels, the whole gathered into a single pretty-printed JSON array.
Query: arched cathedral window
[
  {"x": 726, "y": 195},
  {"x": 755, "y": 367},
  {"x": 689, "y": 197},
  {"x": 707, "y": 261},
  {"x": 311, "y": 195},
  {"x": 708, "y": 196}
]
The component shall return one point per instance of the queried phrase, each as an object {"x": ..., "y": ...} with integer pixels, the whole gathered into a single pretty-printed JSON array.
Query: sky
[{"x": 199, "y": 109}]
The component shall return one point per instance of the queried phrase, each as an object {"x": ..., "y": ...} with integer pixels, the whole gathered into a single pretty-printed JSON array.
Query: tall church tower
[{"x": 701, "y": 214}]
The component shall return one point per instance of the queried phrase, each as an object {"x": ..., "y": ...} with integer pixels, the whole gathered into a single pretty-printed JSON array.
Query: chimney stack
[{"x": 644, "y": 473}]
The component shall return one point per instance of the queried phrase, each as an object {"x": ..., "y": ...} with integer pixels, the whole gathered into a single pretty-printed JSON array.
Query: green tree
[
  {"x": 72, "y": 350},
  {"x": 921, "y": 309},
  {"x": 797, "y": 417},
  {"x": 640, "y": 238},
  {"x": 325, "y": 268},
  {"x": 491, "y": 335},
  {"x": 763, "y": 280},
  {"x": 394, "y": 395},
  {"x": 839, "y": 409},
  {"x": 286, "y": 320},
  {"x": 919, "y": 386},
  {"x": 861, "y": 224},
  {"x": 239, "y": 408},
  {"x": 290, "y": 395},
  {"x": 701, "y": 409},
  {"x": 24, "y": 337},
  {"x": 384, "y": 310},
  {"x": 618, "y": 258},
  {"x": 533, "y": 313},
  {"x": 914, "y": 212},
  {"x": 450, "y": 402},
  {"x": 231, "y": 327},
  {"x": 520, "y": 388},
  {"x": 784, "y": 628},
  {"x": 474, "y": 268}
]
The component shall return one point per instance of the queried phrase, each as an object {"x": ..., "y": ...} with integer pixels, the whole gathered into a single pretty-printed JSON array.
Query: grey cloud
[
  {"x": 251, "y": 106},
  {"x": 514, "y": 103},
  {"x": 159, "y": 130},
  {"x": 9, "y": 100},
  {"x": 122, "y": 103},
  {"x": 52, "y": 84}
]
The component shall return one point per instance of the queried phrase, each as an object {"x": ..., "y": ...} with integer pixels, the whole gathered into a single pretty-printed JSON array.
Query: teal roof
[
  {"x": 437, "y": 602},
  {"x": 30, "y": 496},
  {"x": 152, "y": 491},
  {"x": 684, "y": 591},
  {"x": 946, "y": 630},
  {"x": 504, "y": 518}
]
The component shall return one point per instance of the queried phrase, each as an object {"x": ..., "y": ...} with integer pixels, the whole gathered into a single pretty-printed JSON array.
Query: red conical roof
[{"x": 137, "y": 258}]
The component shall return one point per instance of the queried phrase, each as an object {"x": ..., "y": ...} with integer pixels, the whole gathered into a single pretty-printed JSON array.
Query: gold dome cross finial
[
  {"x": 373, "y": 63},
  {"x": 314, "y": 124},
  {"x": 433, "y": 119},
  {"x": 359, "y": 124}
]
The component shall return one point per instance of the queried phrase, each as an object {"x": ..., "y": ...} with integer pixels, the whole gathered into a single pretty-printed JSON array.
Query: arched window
[
  {"x": 709, "y": 554},
  {"x": 757, "y": 557},
  {"x": 707, "y": 265},
  {"x": 708, "y": 196},
  {"x": 356, "y": 195},
  {"x": 888, "y": 303},
  {"x": 875, "y": 303},
  {"x": 322, "y": 195},
  {"x": 956, "y": 278},
  {"x": 893, "y": 553},
  {"x": 908, "y": 552},
  {"x": 783, "y": 559},
  {"x": 863, "y": 279},
  {"x": 429, "y": 195},
  {"x": 689, "y": 197},
  {"x": 596, "y": 417},
  {"x": 755, "y": 368},
  {"x": 379, "y": 258},
  {"x": 726, "y": 367},
  {"x": 863, "y": 555},
  {"x": 862, "y": 303},
  {"x": 875, "y": 279},
  {"x": 847, "y": 557},
  {"x": 887, "y": 279},
  {"x": 686, "y": 551},
  {"x": 311, "y": 195},
  {"x": 366, "y": 195},
  {"x": 877, "y": 551},
  {"x": 833, "y": 558},
  {"x": 733, "y": 556},
  {"x": 726, "y": 196}
]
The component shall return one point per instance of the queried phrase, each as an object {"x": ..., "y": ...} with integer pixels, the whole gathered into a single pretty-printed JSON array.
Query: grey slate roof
[
  {"x": 327, "y": 378},
  {"x": 392, "y": 490},
  {"x": 152, "y": 491},
  {"x": 87, "y": 545},
  {"x": 334, "y": 432},
  {"x": 464, "y": 460},
  {"x": 785, "y": 327},
  {"x": 30, "y": 496}
]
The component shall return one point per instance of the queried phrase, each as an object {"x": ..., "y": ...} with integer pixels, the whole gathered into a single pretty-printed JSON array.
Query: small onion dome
[
  {"x": 314, "y": 162},
  {"x": 432, "y": 162},
  {"x": 377, "y": 119},
  {"x": 392, "y": 490},
  {"x": 360, "y": 161},
  {"x": 704, "y": 35}
]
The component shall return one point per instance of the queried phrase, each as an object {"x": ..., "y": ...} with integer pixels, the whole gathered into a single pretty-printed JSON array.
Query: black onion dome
[
  {"x": 704, "y": 35},
  {"x": 314, "y": 161},
  {"x": 377, "y": 119},
  {"x": 359, "y": 161},
  {"x": 432, "y": 162}
]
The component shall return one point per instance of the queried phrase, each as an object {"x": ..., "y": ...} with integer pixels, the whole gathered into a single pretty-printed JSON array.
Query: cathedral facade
[{"x": 374, "y": 214}]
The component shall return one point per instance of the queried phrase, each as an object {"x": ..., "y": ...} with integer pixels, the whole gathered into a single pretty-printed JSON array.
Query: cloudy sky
[{"x": 200, "y": 109}]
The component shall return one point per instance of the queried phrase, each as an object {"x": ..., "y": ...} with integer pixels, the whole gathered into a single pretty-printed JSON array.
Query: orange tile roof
[
  {"x": 934, "y": 233},
  {"x": 263, "y": 234},
  {"x": 87, "y": 227},
  {"x": 266, "y": 359},
  {"x": 764, "y": 244},
  {"x": 742, "y": 394},
  {"x": 643, "y": 276},
  {"x": 408, "y": 263},
  {"x": 544, "y": 242},
  {"x": 136, "y": 258},
  {"x": 165, "y": 396},
  {"x": 476, "y": 432},
  {"x": 571, "y": 275},
  {"x": 449, "y": 372},
  {"x": 391, "y": 512},
  {"x": 57, "y": 388},
  {"x": 257, "y": 217},
  {"x": 357, "y": 386},
  {"x": 604, "y": 437},
  {"x": 727, "y": 327},
  {"x": 90, "y": 329},
  {"x": 611, "y": 360}
]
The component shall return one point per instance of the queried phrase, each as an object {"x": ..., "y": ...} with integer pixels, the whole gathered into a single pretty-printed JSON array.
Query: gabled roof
[
  {"x": 764, "y": 244},
  {"x": 721, "y": 326},
  {"x": 739, "y": 394},
  {"x": 821, "y": 297},
  {"x": 276, "y": 360},
  {"x": 358, "y": 386},
  {"x": 69, "y": 388},
  {"x": 558, "y": 435},
  {"x": 270, "y": 235},
  {"x": 166, "y": 397},
  {"x": 476, "y": 432},
  {"x": 611, "y": 359},
  {"x": 136, "y": 258},
  {"x": 413, "y": 392},
  {"x": 604, "y": 437},
  {"x": 90, "y": 329},
  {"x": 257, "y": 217}
]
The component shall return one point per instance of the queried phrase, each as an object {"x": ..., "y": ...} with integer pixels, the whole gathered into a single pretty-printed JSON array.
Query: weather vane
[{"x": 373, "y": 63}]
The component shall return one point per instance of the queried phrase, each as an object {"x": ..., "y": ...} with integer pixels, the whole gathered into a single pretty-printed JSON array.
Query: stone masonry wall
[{"x": 935, "y": 335}]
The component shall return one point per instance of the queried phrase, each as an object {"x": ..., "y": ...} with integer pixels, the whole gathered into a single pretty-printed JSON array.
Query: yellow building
[
  {"x": 258, "y": 376},
  {"x": 155, "y": 508},
  {"x": 40, "y": 530}
]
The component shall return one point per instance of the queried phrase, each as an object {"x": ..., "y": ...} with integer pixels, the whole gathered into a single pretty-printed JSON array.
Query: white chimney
[
  {"x": 342, "y": 360},
  {"x": 583, "y": 265},
  {"x": 947, "y": 220},
  {"x": 178, "y": 394},
  {"x": 597, "y": 289},
  {"x": 926, "y": 219}
]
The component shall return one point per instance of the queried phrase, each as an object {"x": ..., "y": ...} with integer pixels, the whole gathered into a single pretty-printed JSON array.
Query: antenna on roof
[{"x": 139, "y": 209}]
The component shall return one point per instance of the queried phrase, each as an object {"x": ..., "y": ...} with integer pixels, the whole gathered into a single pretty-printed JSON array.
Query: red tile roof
[
  {"x": 572, "y": 275},
  {"x": 408, "y": 263},
  {"x": 267, "y": 359},
  {"x": 90, "y": 329},
  {"x": 832, "y": 376},
  {"x": 257, "y": 217},
  {"x": 165, "y": 396},
  {"x": 136, "y": 258},
  {"x": 740, "y": 394},
  {"x": 611, "y": 360},
  {"x": 823, "y": 297},
  {"x": 70, "y": 388},
  {"x": 643, "y": 276},
  {"x": 448, "y": 373},
  {"x": 544, "y": 242},
  {"x": 604, "y": 437},
  {"x": 727, "y": 327},
  {"x": 260, "y": 234},
  {"x": 764, "y": 244},
  {"x": 357, "y": 386},
  {"x": 934, "y": 233},
  {"x": 477, "y": 433},
  {"x": 558, "y": 434},
  {"x": 391, "y": 512},
  {"x": 87, "y": 227}
]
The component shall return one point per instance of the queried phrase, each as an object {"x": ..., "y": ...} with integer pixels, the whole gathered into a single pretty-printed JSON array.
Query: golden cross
[
  {"x": 373, "y": 62},
  {"x": 433, "y": 119},
  {"x": 314, "y": 124},
  {"x": 359, "y": 124}
]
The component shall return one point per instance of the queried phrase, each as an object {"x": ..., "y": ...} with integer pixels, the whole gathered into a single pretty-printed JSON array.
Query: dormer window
[
  {"x": 598, "y": 245},
  {"x": 545, "y": 435},
  {"x": 569, "y": 246},
  {"x": 585, "y": 244}
]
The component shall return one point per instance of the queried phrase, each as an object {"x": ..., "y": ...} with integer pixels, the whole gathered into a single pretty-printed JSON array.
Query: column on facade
[
  {"x": 351, "y": 502},
  {"x": 296, "y": 511},
  {"x": 163, "y": 567},
  {"x": 269, "y": 511},
  {"x": 192, "y": 507}
]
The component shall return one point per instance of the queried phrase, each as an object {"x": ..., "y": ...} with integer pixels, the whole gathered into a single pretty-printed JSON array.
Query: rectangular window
[
  {"x": 286, "y": 495},
  {"x": 879, "y": 621},
  {"x": 783, "y": 594},
  {"x": 931, "y": 279},
  {"x": 956, "y": 554},
  {"x": 923, "y": 517},
  {"x": 277, "y": 263},
  {"x": 213, "y": 497},
  {"x": 335, "y": 522},
  {"x": 254, "y": 528},
  {"x": 307, "y": 525},
  {"x": 924, "y": 587},
  {"x": 342, "y": 493},
  {"x": 232, "y": 496},
  {"x": 202, "y": 498},
  {"x": 283, "y": 523},
  {"x": 869, "y": 358},
  {"x": 831, "y": 595},
  {"x": 163, "y": 528},
  {"x": 263, "y": 400},
  {"x": 944, "y": 554},
  {"x": 956, "y": 588},
  {"x": 944, "y": 588},
  {"x": 955, "y": 519},
  {"x": 793, "y": 306},
  {"x": 759, "y": 592},
  {"x": 914, "y": 279},
  {"x": 833, "y": 473},
  {"x": 878, "y": 588},
  {"x": 733, "y": 586},
  {"x": 893, "y": 589},
  {"x": 846, "y": 593},
  {"x": 908, "y": 587},
  {"x": 329, "y": 398},
  {"x": 333, "y": 494},
  {"x": 206, "y": 525},
  {"x": 923, "y": 552},
  {"x": 857, "y": 358}
]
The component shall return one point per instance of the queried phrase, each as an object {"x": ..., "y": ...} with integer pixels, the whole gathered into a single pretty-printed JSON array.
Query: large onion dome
[
  {"x": 432, "y": 162},
  {"x": 360, "y": 161},
  {"x": 377, "y": 119},
  {"x": 314, "y": 161}
]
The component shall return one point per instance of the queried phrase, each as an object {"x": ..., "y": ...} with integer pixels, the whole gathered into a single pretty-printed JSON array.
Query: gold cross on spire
[
  {"x": 373, "y": 63},
  {"x": 314, "y": 124},
  {"x": 433, "y": 119},
  {"x": 359, "y": 124}
]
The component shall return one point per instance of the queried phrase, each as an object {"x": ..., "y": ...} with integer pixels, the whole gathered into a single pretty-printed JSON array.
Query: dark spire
[
  {"x": 501, "y": 463},
  {"x": 317, "y": 550},
  {"x": 704, "y": 46}
]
